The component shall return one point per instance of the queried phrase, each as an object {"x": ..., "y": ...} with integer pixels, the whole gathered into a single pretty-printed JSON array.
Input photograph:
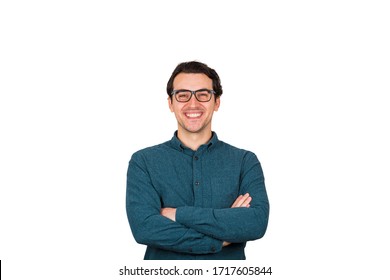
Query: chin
[{"x": 195, "y": 129}]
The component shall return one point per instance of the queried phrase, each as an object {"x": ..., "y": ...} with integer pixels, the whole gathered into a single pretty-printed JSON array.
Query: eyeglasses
[{"x": 184, "y": 95}]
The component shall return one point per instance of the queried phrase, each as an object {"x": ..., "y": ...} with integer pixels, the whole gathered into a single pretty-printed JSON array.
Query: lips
[{"x": 193, "y": 115}]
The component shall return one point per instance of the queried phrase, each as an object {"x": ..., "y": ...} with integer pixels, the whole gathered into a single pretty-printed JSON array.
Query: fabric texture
[{"x": 202, "y": 185}]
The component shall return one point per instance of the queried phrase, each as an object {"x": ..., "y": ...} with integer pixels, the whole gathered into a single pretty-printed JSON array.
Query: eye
[
  {"x": 183, "y": 95},
  {"x": 203, "y": 95}
]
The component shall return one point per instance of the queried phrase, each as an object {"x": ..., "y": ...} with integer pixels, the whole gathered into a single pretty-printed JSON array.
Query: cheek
[
  {"x": 173, "y": 107},
  {"x": 212, "y": 108},
  {"x": 176, "y": 109}
]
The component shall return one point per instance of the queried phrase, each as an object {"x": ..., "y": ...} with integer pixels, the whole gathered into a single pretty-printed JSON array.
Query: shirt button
[
  {"x": 196, "y": 183},
  {"x": 196, "y": 158}
]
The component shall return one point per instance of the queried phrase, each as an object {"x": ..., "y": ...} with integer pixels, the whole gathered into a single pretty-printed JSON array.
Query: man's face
[{"x": 193, "y": 116}]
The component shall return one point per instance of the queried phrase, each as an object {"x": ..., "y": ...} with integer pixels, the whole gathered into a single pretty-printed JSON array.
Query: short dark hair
[{"x": 195, "y": 67}]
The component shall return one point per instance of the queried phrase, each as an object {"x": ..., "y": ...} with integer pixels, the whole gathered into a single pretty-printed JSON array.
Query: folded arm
[
  {"x": 241, "y": 201},
  {"x": 149, "y": 227},
  {"x": 236, "y": 224}
]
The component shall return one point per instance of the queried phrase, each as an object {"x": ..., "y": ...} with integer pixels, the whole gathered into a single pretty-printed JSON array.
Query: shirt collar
[{"x": 176, "y": 143}]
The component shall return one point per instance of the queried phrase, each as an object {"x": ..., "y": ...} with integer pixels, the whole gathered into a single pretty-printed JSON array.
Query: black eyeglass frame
[{"x": 193, "y": 92}]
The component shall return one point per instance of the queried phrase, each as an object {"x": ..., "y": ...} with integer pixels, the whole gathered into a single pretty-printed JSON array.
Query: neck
[{"x": 194, "y": 140}]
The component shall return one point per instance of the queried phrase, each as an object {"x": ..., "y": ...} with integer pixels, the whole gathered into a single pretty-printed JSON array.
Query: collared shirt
[{"x": 202, "y": 185}]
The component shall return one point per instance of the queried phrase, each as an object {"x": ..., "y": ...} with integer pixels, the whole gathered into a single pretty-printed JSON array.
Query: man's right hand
[{"x": 241, "y": 201}]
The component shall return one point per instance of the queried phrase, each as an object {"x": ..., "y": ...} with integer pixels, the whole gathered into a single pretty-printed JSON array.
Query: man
[{"x": 195, "y": 197}]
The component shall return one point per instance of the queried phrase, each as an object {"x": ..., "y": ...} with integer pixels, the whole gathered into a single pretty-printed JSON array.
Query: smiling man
[
  {"x": 193, "y": 114},
  {"x": 194, "y": 196}
]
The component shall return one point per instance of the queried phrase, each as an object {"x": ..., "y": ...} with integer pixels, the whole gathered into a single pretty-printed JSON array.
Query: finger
[
  {"x": 246, "y": 202},
  {"x": 240, "y": 200},
  {"x": 236, "y": 201},
  {"x": 224, "y": 244}
]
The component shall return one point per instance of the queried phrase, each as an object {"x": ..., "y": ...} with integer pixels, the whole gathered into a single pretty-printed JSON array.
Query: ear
[
  {"x": 217, "y": 103},
  {"x": 170, "y": 104}
]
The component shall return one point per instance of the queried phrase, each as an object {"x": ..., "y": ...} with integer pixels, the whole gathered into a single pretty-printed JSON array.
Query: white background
[{"x": 306, "y": 87}]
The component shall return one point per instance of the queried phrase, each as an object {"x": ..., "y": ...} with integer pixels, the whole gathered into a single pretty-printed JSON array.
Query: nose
[{"x": 193, "y": 100}]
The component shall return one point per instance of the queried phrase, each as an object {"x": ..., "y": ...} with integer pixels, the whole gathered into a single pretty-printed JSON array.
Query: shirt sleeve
[
  {"x": 149, "y": 227},
  {"x": 234, "y": 224}
]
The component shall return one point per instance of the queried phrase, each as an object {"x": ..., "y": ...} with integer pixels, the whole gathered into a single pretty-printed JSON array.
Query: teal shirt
[{"x": 202, "y": 185}]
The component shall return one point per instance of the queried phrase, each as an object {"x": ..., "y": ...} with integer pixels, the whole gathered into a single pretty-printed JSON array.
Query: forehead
[{"x": 192, "y": 81}]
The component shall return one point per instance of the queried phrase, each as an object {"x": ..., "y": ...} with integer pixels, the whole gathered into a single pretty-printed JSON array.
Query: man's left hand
[{"x": 169, "y": 213}]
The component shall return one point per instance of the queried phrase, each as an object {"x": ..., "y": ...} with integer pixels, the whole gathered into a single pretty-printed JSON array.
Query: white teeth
[{"x": 193, "y": 115}]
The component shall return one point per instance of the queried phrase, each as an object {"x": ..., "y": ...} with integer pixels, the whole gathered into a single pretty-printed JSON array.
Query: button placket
[{"x": 197, "y": 179}]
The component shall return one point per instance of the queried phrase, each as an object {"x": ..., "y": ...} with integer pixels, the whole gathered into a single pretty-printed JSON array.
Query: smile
[{"x": 193, "y": 115}]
